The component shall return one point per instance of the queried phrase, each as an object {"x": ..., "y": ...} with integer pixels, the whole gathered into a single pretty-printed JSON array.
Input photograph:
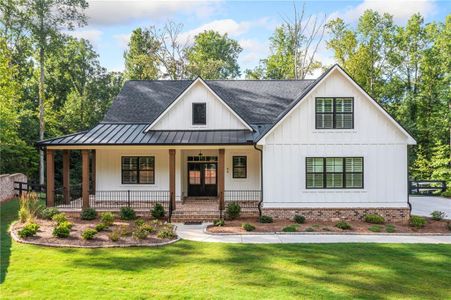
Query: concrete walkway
[
  {"x": 196, "y": 233},
  {"x": 424, "y": 205}
]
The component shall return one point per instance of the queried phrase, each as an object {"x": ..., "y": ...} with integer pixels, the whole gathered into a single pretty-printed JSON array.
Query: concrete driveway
[{"x": 424, "y": 205}]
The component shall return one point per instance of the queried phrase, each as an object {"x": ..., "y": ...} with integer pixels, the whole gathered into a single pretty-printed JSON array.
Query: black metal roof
[{"x": 133, "y": 134}]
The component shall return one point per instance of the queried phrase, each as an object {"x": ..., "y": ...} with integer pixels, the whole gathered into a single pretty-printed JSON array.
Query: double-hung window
[
  {"x": 334, "y": 172},
  {"x": 239, "y": 167},
  {"x": 138, "y": 169},
  {"x": 334, "y": 113}
]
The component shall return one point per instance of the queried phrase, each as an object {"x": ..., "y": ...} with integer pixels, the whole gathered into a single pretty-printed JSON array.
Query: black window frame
[
  {"x": 193, "y": 111},
  {"x": 239, "y": 167},
  {"x": 334, "y": 113},
  {"x": 324, "y": 172},
  {"x": 137, "y": 169}
]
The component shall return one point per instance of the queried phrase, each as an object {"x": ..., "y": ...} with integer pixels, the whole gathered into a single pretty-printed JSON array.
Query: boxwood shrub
[
  {"x": 290, "y": 228},
  {"x": 343, "y": 225},
  {"x": 417, "y": 222},
  {"x": 265, "y": 219},
  {"x": 48, "y": 213},
  {"x": 157, "y": 211},
  {"x": 29, "y": 229},
  {"x": 127, "y": 213},
  {"x": 88, "y": 214},
  {"x": 248, "y": 227},
  {"x": 233, "y": 210},
  {"x": 88, "y": 234},
  {"x": 374, "y": 219},
  {"x": 59, "y": 218},
  {"x": 299, "y": 219},
  {"x": 61, "y": 231},
  {"x": 107, "y": 218}
]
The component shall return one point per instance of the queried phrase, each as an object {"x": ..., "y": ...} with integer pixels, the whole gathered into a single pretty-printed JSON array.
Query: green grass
[{"x": 225, "y": 271}]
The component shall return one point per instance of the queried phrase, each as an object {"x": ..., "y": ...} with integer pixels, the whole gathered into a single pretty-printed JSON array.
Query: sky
[{"x": 251, "y": 23}]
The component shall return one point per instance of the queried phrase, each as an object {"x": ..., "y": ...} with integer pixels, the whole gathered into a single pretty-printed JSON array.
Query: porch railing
[
  {"x": 245, "y": 198},
  {"x": 128, "y": 198},
  {"x": 74, "y": 200}
]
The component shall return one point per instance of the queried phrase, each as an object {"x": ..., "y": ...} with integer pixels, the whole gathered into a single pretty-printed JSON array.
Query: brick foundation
[{"x": 394, "y": 215}]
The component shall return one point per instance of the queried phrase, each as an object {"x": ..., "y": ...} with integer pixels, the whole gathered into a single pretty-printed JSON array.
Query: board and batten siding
[
  {"x": 179, "y": 117},
  {"x": 374, "y": 137}
]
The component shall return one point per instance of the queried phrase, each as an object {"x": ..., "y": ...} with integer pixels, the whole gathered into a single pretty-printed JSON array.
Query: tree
[
  {"x": 141, "y": 58},
  {"x": 441, "y": 162},
  {"x": 214, "y": 56}
]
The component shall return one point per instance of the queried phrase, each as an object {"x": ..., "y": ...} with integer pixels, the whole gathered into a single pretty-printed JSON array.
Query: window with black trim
[
  {"x": 138, "y": 169},
  {"x": 334, "y": 172},
  {"x": 334, "y": 113},
  {"x": 199, "y": 113},
  {"x": 239, "y": 166}
]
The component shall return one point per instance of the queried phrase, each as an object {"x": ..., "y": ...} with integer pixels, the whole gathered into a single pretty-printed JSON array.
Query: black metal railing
[
  {"x": 28, "y": 186},
  {"x": 427, "y": 187},
  {"x": 129, "y": 198},
  {"x": 245, "y": 198},
  {"x": 74, "y": 199}
]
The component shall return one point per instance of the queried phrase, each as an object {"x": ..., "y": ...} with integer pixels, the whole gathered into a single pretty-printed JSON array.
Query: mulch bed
[
  {"x": 44, "y": 235},
  {"x": 234, "y": 226}
]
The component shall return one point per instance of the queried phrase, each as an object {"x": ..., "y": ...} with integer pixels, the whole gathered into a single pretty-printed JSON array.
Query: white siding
[
  {"x": 179, "y": 117},
  {"x": 252, "y": 182},
  {"x": 374, "y": 137}
]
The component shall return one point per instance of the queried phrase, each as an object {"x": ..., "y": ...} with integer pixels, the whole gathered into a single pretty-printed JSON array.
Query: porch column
[
  {"x": 93, "y": 171},
  {"x": 66, "y": 176},
  {"x": 85, "y": 178},
  {"x": 221, "y": 176},
  {"x": 50, "y": 169},
  {"x": 172, "y": 177}
]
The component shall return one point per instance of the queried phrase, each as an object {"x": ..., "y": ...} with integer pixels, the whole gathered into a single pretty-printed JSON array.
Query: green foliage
[
  {"x": 265, "y": 219},
  {"x": 290, "y": 228},
  {"x": 101, "y": 226},
  {"x": 309, "y": 229},
  {"x": 447, "y": 193},
  {"x": 374, "y": 219},
  {"x": 375, "y": 228},
  {"x": 140, "y": 233},
  {"x": 61, "y": 231},
  {"x": 115, "y": 235},
  {"x": 127, "y": 213},
  {"x": 59, "y": 218},
  {"x": 343, "y": 225},
  {"x": 88, "y": 214},
  {"x": 157, "y": 211},
  {"x": 417, "y": 222},
  {"x": 218, "y": 223},
  {"x": 248, "y": 227},
  {"x": 299, "y": 219},
  {"x": 233, "y": 210},
  {"x": 141, "y": 59},
  {"x": 28, "y": 230},
  {"x": 214, "y": 56},
  {"x": 48, "y": 213},
  {"x": 390, "y": 228},
  {"x": 438, "y": 215},
  {"x": 88, "y": 234},
  {"x": 66, "y": 224},
  {"x": 139, "y": 222},
  {"x": 148, "y": 228},
  {"x": 107, "y": 218},
  {"x": 167, "y": 232},
  {"x": 29, "y": 207}
]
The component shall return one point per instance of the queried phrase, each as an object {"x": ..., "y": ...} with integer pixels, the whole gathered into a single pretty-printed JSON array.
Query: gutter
[
  {"x": 261, "y": 179},
  {"x": 408, "y": 181}
]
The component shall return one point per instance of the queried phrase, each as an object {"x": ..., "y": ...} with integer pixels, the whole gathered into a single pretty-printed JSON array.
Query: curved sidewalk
[{"x": 196, "y": 233}]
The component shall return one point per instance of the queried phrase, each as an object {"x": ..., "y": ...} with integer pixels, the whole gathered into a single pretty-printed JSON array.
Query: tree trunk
[{"x": 41, "y": 113}]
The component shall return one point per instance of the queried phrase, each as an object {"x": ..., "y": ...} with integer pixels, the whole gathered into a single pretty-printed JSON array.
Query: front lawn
[{"x": 229, "y": 271}]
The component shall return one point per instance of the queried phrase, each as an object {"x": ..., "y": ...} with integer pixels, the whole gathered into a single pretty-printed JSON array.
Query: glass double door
[{"x": 202, "y": 179}]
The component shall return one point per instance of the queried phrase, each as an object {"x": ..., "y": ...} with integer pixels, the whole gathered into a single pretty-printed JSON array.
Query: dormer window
[
  {"x": 199, "y": 113},
  {"x": 334, "y": 113}
]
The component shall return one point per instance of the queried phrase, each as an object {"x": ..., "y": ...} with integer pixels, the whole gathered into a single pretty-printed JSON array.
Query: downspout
[
  {"x": 261, "y": 180},
  {"x": 408, "y": 181}
]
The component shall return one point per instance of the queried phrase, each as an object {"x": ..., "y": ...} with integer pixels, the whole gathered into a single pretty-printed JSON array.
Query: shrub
[
  {"x": 29, "y": 229},
  {"x": 309, "y": 229},
  {"x": 139, "y": 222},
  {"x": 265, "y": 219},
  {"x": 101, "y": 227},
  {"x": 290, "y": 228},
  {"x": 24, "y": 215},
  {"x": 248, "y": 227},
  {"x": 66, "y": 224},
  {"x": 148, "y": 228},
  {"x": 438, "y": 215},
  {"x": 48, "y": 213},
  {"x": 88, "y": 234},
  {"x": 59, "y": 218},
  {"x": 417, "y": 222},
  {"x": 88, "y": 214},
  {"x": 157, "y": 211},
  {"x": 29, "y": 207},
  {"x": 115, "y": 235},
  {"x": 61, "y": 231},
  {"x": 166, "y": 233},
  {"x": 374, "y": 219},
  {"x": 233, "y": 210},
  {"x": 107, "y": 218},
  {"x": 447, "y": 193},
  {"x": 140, "y": 233},
  {"x": 375, "y": 228},
  {"x": 218, "y": 223},
  {"x": 343, "y": 225},
  {"x": 299, "y": 219},
  {"x": 127, "y": 213},
  {"x": 390, "y": 228}
]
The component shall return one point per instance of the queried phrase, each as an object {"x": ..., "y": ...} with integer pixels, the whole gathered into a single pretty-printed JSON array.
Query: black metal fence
[
  {"x": 427, "y": 187},
  {"x": 24, "y": 187},
  {"x": 245, "y": 198},
  {"x": 128, "y": 198},
  {"x": 74, "y": 200}
]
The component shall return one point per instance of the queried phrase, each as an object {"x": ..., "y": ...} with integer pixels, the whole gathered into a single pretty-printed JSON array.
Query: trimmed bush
[
  {"x": 299, "y": 219},
  {"x": 390, "y": 228},
  {"x": 66, "y": 224},
  {"x": 265, "y": 219},
  {"x": 248, "y": 227},
  {"x": 417, "y": 222},
  {"x": 374, "y": 219},
  {"x": 438, "y": 215},
  {"x": 233, "y": 210},
  {"x": 290, "y": 228},
  {"x": 140, "y": 233},
  {"x": 166, "y": 233},
  {"x": 59, "y": 218},
  {"x": 139, "y": 222},
  {"x": 107, "y": 218},
  {"x": 49, "y": 212},
  {"x": 375, "y": 228},
  {"x": 61, "y": 231},
  {"x": 101, "y": 227},
  {"x": 218, "y": 223},
  {"x": 157, "y": 211},
  {"x": 88, "y": 214},
  {"x": 29, "y": 229},
  {"x": 343, "y": 225},
  {"x": 88, "y": 234},
  {"x": 127, "y": 213}
]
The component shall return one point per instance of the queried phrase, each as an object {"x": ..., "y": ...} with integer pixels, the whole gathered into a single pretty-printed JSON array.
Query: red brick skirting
[{"x": 330, "y": 214}]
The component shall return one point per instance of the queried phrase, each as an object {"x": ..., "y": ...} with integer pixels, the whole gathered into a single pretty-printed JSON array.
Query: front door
[{"x": 202, "y": 179}]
